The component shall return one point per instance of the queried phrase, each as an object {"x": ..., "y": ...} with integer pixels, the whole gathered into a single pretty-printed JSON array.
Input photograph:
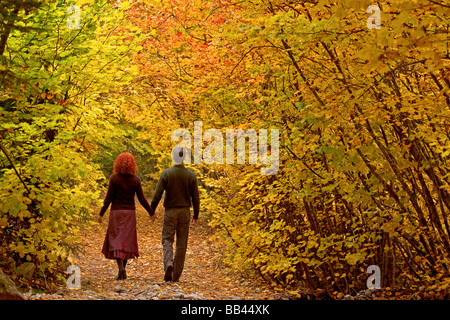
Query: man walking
[{"x": 180, "y": 185}]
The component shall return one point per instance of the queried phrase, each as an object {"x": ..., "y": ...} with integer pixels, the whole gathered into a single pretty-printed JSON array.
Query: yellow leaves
[
  {"x": 24, "y": 214},
  {"x": 48, "y": 228},
  {"x": 125, "y": 5},
  {"x": 354, "y": 258},
  {"x": 133, "y": 69},
  {"x": 289, "y": 278},
  {"x": 391, "y": 227},
  {"x": 341, "y": 12},
  {"x": 312, "y": 244},
  {"x": 3, "y": 222}
]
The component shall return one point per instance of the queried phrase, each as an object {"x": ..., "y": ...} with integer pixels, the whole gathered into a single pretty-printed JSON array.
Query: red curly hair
[{"x": 125, "y": 164}]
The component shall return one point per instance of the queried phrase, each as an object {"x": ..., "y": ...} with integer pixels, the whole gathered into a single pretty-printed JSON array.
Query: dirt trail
[{"x": 202, "y": 277}]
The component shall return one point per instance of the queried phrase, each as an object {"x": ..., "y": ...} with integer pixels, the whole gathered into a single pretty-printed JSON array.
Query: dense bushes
[
  {"x": 54, "y": 114},
  {"x": 364, "y": 134}
]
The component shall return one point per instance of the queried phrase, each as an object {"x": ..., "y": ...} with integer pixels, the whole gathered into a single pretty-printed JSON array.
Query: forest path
[{"x": 204, "y": 277}]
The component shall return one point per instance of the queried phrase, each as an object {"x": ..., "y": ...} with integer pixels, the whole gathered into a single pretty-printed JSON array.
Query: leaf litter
[{"x": 204, "y": 277}]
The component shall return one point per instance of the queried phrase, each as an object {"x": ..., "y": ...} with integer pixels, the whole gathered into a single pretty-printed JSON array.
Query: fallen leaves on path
[{"x": 203, "y": 276}]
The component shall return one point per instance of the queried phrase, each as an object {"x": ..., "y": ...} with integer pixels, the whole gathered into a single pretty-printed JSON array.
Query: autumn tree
[
  {"x": 363, "y": 115},
  {"x": 359, "y": 92}
]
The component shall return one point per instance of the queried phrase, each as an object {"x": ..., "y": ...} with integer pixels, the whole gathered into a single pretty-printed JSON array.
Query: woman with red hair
[{"x": 121, "y": 237}]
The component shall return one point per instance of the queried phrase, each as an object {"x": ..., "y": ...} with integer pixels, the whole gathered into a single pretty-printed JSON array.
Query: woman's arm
[
  {"x": 142, "y": 200},
  {"x": 108, "y": 198}
]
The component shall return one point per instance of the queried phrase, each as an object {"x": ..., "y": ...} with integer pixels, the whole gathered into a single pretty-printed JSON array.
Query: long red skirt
[{"x": 121, "y": 236}]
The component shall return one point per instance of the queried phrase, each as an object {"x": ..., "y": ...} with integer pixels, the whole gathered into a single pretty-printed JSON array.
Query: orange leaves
[
  {"x": 46, "y": 96},
  {"x": 64, "y": 102}
]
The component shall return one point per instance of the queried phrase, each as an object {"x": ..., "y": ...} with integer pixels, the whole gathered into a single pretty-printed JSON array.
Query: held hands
[
  {"x": 194, "y": 221},
  {"x": 99, "y": 219},
  {"x": 152, "y": 217}
]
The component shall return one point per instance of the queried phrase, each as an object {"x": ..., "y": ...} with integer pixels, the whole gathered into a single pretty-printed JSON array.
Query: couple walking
[{"x": 180, "y": 185}]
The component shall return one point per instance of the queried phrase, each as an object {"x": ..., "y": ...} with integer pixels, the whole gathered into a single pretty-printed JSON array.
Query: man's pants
[{"x": 176, "y": 221}]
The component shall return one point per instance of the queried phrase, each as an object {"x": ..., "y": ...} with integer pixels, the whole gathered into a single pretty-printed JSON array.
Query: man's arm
[
  {"x": 160, "y": 187},
  {"x": 193, "y": 190}
]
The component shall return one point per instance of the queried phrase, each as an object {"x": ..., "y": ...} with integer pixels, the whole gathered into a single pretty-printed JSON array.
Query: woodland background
[{"x": 363, "y": 117}]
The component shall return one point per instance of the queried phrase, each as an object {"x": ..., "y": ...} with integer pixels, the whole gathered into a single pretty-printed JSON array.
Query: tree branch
[{"x": 12, "y": 164}]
